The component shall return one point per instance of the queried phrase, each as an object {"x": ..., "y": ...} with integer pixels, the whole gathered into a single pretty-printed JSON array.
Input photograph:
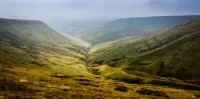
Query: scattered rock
[
  {"x": 65, "y": 88},
  {"x": 144, "y": 91},
  {"x": 51, "y": 86},
  {"x": 23, "y": 81},
  {"x": 121, "y": 88}
]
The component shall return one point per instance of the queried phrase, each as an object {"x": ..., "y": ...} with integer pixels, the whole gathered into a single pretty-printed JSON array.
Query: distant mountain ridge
[{"x": 119, "y": 28}]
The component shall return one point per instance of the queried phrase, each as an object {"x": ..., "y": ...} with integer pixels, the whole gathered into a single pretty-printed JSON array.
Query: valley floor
[{"x": 21, "y": 82}]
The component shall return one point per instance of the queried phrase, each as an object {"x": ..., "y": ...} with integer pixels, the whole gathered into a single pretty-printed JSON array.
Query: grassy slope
[
  {"x": 171, "y": 53},
  {"x": 119, "y": 28},
  {"x": 28, "y": 44},
  {"x": 20, "y": 82},
  {"x": 34, "y": 44}
]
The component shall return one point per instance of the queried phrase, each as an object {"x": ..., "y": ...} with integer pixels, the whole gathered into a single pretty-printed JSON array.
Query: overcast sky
[{"x": 79, "y": 10}]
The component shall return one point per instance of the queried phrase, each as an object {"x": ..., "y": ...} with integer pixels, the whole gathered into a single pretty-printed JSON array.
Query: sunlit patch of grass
[{"x": 76, "y": 69}]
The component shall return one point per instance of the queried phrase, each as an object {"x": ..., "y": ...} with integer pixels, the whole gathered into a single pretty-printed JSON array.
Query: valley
[{"x": 157, "y": 61}]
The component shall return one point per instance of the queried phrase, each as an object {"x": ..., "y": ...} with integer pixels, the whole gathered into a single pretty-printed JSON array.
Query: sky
[{"x": 73, "y": 11}]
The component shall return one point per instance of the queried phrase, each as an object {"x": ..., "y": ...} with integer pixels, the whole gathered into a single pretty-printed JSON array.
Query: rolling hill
[
  {"x": 32, "y": 43},
  {"x": 37, "y": 62},
  {"x": 120, "y": 28},
  {"x": 172, "y": 52}
]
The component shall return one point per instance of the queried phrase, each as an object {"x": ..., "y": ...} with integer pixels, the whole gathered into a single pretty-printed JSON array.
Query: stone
[
  {"x": 65, "y": 88},
  {"x": 23, "y": 81}
]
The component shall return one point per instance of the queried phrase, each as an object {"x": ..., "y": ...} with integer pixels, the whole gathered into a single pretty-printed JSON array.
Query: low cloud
[{"x": 77, "y": 10}]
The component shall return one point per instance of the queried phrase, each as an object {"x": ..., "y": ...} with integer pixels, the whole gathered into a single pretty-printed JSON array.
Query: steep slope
[
  {"x": 33, "y": 43},
  {"x": 119, "y": 28},
  {"x": 171, "y": 53}
]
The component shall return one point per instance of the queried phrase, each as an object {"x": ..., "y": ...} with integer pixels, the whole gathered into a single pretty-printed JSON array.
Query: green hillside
[
  {"x": 34, "y": 44},
  {"x": 119, "y": 28},
  {"x": 173, "y": 52},
  {"x": 37, "y": 62}
]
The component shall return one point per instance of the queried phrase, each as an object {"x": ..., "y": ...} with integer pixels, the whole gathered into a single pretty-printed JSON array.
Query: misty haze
[{"x": 99, "y": 49}]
